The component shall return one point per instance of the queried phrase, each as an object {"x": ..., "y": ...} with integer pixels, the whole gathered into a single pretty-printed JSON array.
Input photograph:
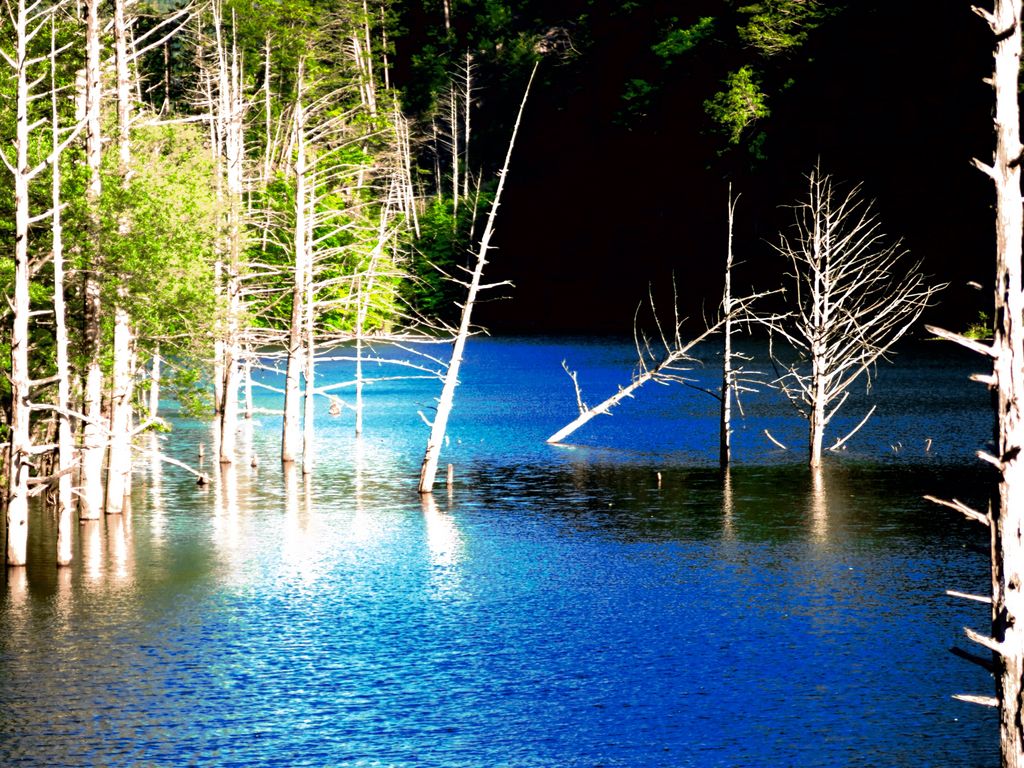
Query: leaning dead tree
[
  {"x": 663, "y": 358},
  {"x": 473, "y": 287},
  {"x": 852, "y": 300},
  {"x": 1006, "y": 351}
]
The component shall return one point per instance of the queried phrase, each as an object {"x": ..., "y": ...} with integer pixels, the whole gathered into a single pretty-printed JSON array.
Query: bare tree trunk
[
  {"x": 291, "y": 436},
  {"x": 467, "y": 103},
  {"x": 360, "y": 320},
  {"x": 167, "y": 77},
  {"x": 248, "y": 388},
  {"x": 1008, "y": 369},
  {"x": 93, "y": 440},
  {"x": 453, "y": 118},
  {"x": 120, "y": 456},
  {"x": 267, "y": 114},
  {"x": 154, "y": 384},
  {"x": 309, "y": 318},
  {"x": 816, "y": 422},
  {"x": 371, "y": 86},
  {"x": 65, "y": 438},
  {"x": 231, "y": 107},
  {"x": 384, "y": 49},
  {"x": 444, "y": 405},
  {"x": 725, "y": 416},
  {"x": 447, "y": 16},
  {"x": 20, "y": 378}
]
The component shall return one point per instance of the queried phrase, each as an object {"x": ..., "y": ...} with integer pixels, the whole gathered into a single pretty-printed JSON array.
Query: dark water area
[{"x": 561, "y": 606}]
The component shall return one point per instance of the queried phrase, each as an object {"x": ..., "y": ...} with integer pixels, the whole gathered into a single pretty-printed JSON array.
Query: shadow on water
[{"x": 770, "y": 503}]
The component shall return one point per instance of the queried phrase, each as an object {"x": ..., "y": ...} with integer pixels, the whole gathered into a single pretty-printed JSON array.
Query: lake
[{"x": 617, "y": 602}]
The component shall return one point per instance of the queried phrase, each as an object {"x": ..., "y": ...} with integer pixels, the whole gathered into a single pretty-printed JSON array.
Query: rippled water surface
[{"x": 561, "y": 606}]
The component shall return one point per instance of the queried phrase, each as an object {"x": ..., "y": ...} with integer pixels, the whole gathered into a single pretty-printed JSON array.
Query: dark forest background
[{"x": 621, "y": 174}]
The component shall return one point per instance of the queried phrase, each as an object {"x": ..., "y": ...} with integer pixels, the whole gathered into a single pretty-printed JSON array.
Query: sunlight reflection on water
[{"x": 561, "y": 607}]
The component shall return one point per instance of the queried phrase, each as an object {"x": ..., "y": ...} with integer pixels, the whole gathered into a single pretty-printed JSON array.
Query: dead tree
[
  {"x": 1006, "y": 351},
  {"x": 27, "y": 21},
  {"x": 852, "y": 299},
  {"x": 664, "y": 359},
  {"x": 119, "y": 461},
  {"x": 230, "y": 113},
  {"x": 291, "y": 433},
  {"x": 451, "y": 379},
  {"x": 735, "y": 378},
  {"x": 65, "y": 438},
  {"x": 93, "y": 444}
]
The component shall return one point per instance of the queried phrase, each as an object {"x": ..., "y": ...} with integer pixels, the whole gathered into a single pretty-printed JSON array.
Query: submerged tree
[
  {"x": 663, "y": 358},
  {"x": 852, "y": 299},
  {"x": 451, "y": 378}
]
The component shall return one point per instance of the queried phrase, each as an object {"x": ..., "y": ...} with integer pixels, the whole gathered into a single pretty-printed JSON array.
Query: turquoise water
[{"x": 561, "y": 606}]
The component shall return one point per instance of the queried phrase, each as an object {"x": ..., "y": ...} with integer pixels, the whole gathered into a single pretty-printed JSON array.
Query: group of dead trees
[
  {"x": 70, "y": 292},
  {"x": 250, "y": 199},
  {"x": 849, "y": 296}
]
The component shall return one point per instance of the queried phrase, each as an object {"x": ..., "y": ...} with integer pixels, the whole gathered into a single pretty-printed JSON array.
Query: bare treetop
[{"x": 852, "y": 297}]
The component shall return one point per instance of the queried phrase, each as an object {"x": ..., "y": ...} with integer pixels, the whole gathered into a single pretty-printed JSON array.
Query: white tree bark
[
  {"x": 65, "y": 438},
  {"x": 309, "y": 343},
  {"x": 1007, "y": 350},
  {"x": 119, "y": 462},
  {"x": 852, "y": 301},
  {"x": 444, "y": 405},
  {"x": 467, "y": 104},
  {"x": 666, "y": 365},
  {"x": 19, "y": 466},
  {"x": 93, "y": 439},
  {"x": 291, "y": 435},
  {"x": 154, "y": 384},
  {"x": 231, "y": 108},
  {"x": 728, "y": 382}
]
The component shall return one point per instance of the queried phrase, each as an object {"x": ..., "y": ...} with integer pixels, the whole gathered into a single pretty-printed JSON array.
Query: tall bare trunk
[
  {"x": 309, "y": 337},
  {"x": 291, "y": 436},
  {"x": 65, "y": 438},
  {"x": 20, "y": 433},
  {"x": 1008, "y": 369},
  {"x": 467, "y": 103},
  {"x": 371, "y": 86},
  {"x": 93, "y": 440},
  {"x": 384, "y": 49},
  {"x": 453, "y": 119},
  {"x": 816, "y": 422},
  {"x": 267, "y": 113},
  {"x": 120, "y": 457},
  {"x": 725, "y": 416},
  {"x": 444, "y": 405},
  {"x": 230, "y": 106}
]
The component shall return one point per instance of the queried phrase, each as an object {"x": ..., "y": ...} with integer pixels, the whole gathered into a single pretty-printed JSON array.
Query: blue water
[{"x": 558, "y": 608}]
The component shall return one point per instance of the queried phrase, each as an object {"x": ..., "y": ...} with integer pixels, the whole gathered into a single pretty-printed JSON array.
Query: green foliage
[
  {"x": 158, "y": 233},
  {"x": 443, "y": 249},
  {"x": 189, "y": 388},
  {"x": 779, "y": 26},
  {"x": 739, "y": 105},
  {"x": 681, "y": 41},
  {"x": 981, "y": 329}
]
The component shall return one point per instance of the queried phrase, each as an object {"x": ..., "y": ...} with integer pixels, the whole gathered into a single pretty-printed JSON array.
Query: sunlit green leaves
[
  {"x": 739, "y": 105},
  {"x": 680, "y": 41}
]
